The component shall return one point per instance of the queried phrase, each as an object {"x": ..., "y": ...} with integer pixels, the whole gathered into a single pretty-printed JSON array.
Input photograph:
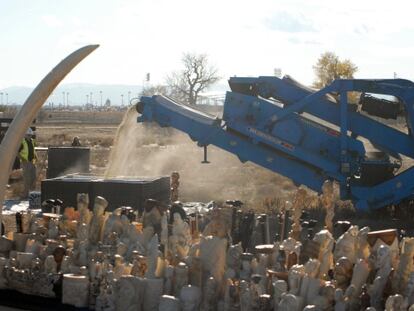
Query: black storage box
[
  {"x": 117, "y": 191},
  {"x": 67, "y": 160}
]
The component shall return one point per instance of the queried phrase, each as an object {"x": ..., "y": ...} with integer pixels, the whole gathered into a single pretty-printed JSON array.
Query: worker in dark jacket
[{"x": 27, "y": 156}]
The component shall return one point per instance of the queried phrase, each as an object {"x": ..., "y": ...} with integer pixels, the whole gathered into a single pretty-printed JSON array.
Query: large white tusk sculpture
[{"x": 29, "y": 110}]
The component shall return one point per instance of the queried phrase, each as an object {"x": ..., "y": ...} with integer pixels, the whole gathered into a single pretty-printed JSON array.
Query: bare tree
[{"x": 197, "y": 76}]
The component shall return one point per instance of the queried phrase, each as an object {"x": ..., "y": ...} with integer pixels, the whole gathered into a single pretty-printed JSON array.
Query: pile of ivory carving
[{"x": 105, "y": 261}]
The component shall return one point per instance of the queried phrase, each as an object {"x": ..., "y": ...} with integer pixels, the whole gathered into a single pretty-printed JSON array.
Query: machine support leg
[{"x": 205, "y": 161}]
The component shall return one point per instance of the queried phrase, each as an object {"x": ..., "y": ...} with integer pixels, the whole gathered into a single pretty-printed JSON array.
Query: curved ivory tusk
[{"x": 27, "y": 113}]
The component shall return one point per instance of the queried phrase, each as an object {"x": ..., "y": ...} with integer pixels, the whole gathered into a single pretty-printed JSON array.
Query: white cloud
[{"x": 240, "y": 37}]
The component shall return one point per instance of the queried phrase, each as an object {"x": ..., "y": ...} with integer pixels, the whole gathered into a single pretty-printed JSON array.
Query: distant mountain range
[{"x": 83, "y": 93}]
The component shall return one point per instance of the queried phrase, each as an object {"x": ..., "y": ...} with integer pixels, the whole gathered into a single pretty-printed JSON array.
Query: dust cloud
[{"x": 145, "y": 150}]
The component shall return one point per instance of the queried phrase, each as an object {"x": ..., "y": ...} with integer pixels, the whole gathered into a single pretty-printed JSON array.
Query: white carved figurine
[
  {"x": 50, "y": 265},
  {"x": 325, "y": 256},
  {"x": 383, "y": 264},
  {"x": 190, "y": 297},
  {"x": 346, "y": 245},
  {"x": 405, "y": 266},
  {"x": 53, "y": 230},
  {"x": 83, "y": 203},
  {"x": 181, "y": 237},
  {"x": 210, "y": 295},
  {"x": 327, "y": 199},
  {"x": 96, "y": 225},
  {"x": 279, "y": 289},
  {"x": 245, "y": 296}
]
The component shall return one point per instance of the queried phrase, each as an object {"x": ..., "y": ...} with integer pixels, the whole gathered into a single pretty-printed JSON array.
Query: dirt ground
[{"x": 161, "y": 151}]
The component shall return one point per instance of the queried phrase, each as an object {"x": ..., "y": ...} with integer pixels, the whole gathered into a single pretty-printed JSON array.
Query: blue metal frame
[{"x": 276, "y": 134}]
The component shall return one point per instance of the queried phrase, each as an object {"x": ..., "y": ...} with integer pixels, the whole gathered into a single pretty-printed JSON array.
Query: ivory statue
[
  {"x": 82, "y": 232},
  {"x": 97, "y": 221},
  {"x": 231, "y": 299},
  {"x": 50, "y": 265},
  {"x": 290, "y": 302},
  {"x": 130, "y": 293},
  {"x": 83, "y": 208},
  {"x": 295, "y": 275},
  {"x": 112, "y": 224},
  {"x": 279, "y": 289},
  {"x": 297, "y": 207},
  {"x": 53, "y": 231},
  {"x": 328, "y": 202},
  {"x": 310, "y": 284},
  {"x": 168, "y": 280},
  {"x": 359, "y": 276},
  {"x": 384, "y": 266},
  {"x": 325, "y": 256},
  {"x": 180, "y": 239},
  {"x": 213, "y": 256},
  {"x": 325, "y": 300},
  {"x": 395, "y": 303},
  {"x": 169, "y": 303},
  {"x": 246, "y": 270},
  {"x": 195, "y": 271},
  {"x": 218, "y": 226},
  {"x": 152, "y": 293},
  {"x": 340, "y": 304},
  {"x": 245, "y": 296},
  {"x": 209, "y": 302},
  {"x": 66, "y": 265},
  {"x": 106, "y": 299},
  {"x": 82, "y": 253},
  {"x": 181, "y": 277},
  {"x": 154, "y": 262},
  {"x": 233, "y": 260},
  {"x": 119, "y": 267},
  {"x": 405, "y": 266},
  {"x": 351, "y": 298},
  {"x": 343, "y": 273},
  {"x": 122, "y": 249},
  {"x": 190, "y": 297},
  {"x": 363, "y": 248},
  {"x": 346, "y": 245},
  {"x": 75, "y": 290},
  {"x": 409, "y": 290}
]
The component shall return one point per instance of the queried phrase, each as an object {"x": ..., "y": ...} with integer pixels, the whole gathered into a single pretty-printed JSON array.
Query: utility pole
[
  {"x": 122, "y": 100},
  {"x": 91, "y": 98},
  {"x": 1, "y": 94},
  {"x": 129, "y": 97},
  {"x": 87, "y": 99},
  {"x": 100, "y": 92},
  {"x": 7, "y": 98}
]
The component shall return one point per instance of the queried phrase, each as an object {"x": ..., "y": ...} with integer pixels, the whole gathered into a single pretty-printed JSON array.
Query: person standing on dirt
[
  {"x": 76, "y": 142},
  {"x": 27, "y": 156}
]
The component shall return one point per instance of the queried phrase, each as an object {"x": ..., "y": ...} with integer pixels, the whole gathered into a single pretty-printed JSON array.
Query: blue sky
[{"x": 241, "y": 37}]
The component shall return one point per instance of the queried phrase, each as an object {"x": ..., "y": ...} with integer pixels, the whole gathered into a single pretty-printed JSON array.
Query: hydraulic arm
[{"x": 309, "y": 136}]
